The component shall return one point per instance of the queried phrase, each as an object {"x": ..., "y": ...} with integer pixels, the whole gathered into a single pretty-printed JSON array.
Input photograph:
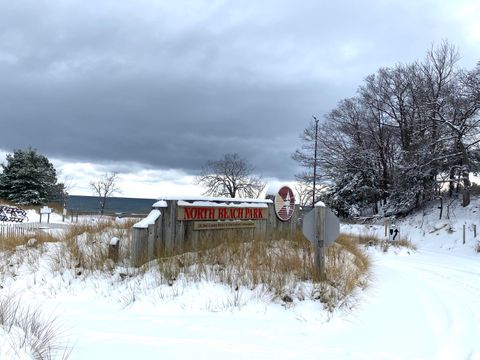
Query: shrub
[{"x": 372, "y": 240}]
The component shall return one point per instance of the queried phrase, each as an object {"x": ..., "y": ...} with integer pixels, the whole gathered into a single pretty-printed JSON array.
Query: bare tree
[
  {"x": 105, "y": 187},
  {"x": 230, "y": 176},
  {"x": 393, "y": 144},
  {"x": 303, "y": 190},
  {"x": 456, "y": 111}
]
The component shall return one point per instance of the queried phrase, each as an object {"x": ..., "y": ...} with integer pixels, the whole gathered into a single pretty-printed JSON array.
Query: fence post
[
  {"x": 464, "y": 233},
  {"x": 113, "y": 249}
]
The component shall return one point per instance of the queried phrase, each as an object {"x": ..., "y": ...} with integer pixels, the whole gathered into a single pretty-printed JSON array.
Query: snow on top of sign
[
  {"x": 272, "y": 189},
  {"x": 216, "y": 199},
  {"x": 114, "y": 241},
  {"x": 149, "y": 220},
  {"x": 160, "y": 204},
  {"x": 243, "y": 204},
  {"x": 319, "y": 204}
]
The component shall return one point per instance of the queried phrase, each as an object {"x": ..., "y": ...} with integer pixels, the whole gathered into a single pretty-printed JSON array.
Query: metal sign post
[{"x": 321, "y": 227}]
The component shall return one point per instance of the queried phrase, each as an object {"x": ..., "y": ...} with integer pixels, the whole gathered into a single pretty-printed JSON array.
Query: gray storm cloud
[{"x": 174, "y": 84}]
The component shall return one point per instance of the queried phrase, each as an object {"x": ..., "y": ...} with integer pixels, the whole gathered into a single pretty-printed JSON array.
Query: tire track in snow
[{"x": 449, "y": 296}]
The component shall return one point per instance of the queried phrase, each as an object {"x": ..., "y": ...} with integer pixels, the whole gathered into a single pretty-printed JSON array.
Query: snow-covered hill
[
  {"x": 425, "y": 228},
  {"x": 422, "y": 304}
]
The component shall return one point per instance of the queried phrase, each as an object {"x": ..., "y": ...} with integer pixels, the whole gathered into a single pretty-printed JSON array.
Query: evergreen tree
[{"x": 29, "y": 178}]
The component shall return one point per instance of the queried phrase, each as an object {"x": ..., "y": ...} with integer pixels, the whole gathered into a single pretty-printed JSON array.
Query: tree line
[
  {"x": 410, "y": 133},
  {"x": 29, "y": 178}
]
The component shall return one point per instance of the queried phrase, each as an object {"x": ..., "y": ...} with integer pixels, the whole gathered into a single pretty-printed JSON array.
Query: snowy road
[
  {"x": 420, "y": 306},
  {"x": 426, "y": 305}
]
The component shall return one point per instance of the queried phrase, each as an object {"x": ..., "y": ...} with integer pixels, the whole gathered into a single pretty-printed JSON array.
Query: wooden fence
[{"x": 17, "y": 230}]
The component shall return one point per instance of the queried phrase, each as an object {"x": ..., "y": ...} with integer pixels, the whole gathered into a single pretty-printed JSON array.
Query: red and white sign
[
  {"x": 221, "y": 213},
  {"x": 284, "y": 203}
]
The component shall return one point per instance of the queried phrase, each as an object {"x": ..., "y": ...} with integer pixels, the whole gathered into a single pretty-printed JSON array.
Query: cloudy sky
[{"x": 155, "y": 88}]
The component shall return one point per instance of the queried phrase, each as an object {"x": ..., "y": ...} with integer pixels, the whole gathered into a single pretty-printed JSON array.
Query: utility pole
[{"x": 315, "y": 160}]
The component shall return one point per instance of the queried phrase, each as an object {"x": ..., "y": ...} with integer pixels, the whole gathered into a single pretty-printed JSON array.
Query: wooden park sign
[{"x": 176, "y": 224}]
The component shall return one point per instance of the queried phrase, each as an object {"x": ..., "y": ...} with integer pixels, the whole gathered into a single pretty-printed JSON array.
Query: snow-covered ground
[{"x": 422, "y": 304}]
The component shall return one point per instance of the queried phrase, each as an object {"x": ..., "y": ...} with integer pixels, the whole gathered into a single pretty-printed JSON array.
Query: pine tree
[{"x": 29, "y": 178}]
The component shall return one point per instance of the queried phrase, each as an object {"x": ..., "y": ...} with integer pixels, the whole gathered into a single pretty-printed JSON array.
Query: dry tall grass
[
  {"x": 85, "y": 246},
  {"x": 283, "y": 269},
  {"x": 372, "y": 240},
  {"x": 280, "y": 268},
  {"x": 10, "y": 243},
  {"x": 82, "y": 246}
]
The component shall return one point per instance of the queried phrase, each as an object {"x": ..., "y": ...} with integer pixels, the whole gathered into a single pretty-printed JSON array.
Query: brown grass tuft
[
  {"x": 10, "y": 243},
  {"x": 281, "y": 269},
  {"x": 278, "y": 267},
  {"x": 85, "y": 246},
  {"x": 372, "y": 240}
]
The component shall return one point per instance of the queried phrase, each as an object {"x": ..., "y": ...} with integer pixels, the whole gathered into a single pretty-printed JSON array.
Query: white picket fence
[{"x": 15, "y": 230}]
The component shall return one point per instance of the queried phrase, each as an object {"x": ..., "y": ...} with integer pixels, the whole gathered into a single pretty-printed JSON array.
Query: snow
[
  {"x": 215, "y": 199},
  {"x": 319, "y": 204},
  {"x": 425, "y": 305},
  {"x": 149, "y": 220},
  {"x": 429, "y": 232},
  {"x": 33, "y": 216},
  {"x": 272, "y": 189},
  {"x": 422, "y": 304},
  {"x": 223, "y": 204},
  {"x": 160, "y": 204}
]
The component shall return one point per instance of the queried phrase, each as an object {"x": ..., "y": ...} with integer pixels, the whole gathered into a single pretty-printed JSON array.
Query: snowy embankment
[
  {"x": 422, "y": 304},
  {"x": 425, "y": 305}
]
